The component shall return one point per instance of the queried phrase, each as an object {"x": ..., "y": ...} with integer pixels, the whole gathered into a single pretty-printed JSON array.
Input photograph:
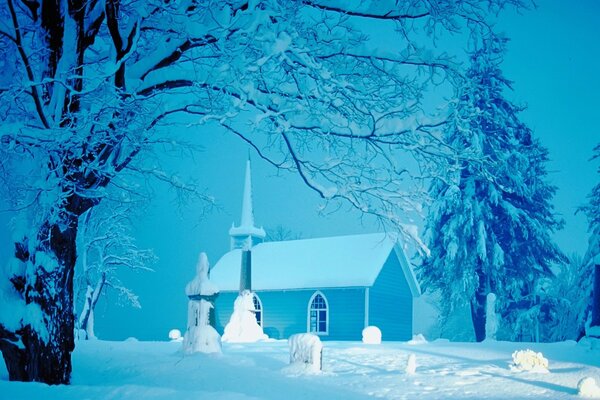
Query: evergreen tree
[
  {"x": 592, "y": 211},
  {"x": 490, "y": 223}
]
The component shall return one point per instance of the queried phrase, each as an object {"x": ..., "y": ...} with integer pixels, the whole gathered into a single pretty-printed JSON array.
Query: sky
[{"x": 554, "y": 61}]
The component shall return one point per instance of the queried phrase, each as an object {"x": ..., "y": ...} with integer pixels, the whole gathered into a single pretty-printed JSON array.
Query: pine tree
[
  {"x": 592, "y": 211},
  {"x": 490, "y": 223}
]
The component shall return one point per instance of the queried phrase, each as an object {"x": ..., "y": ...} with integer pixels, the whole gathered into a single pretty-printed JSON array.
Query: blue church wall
[
  {"x": 285, "y": 312},
  {"x": 391, "y": 302}
]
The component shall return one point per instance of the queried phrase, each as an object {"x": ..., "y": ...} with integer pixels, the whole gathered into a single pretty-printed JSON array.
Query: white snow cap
[{"x": 201, "y": 285}]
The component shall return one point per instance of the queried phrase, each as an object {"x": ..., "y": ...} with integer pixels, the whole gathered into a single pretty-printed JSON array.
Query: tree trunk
[
  {"x": 47, "y": 343},
  {"x": 86, "y": 320},
  {"x": 478, "y": 316}
]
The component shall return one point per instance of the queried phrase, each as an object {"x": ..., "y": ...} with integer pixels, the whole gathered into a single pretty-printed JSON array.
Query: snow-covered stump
[
  {"x": 242, "y": 326},
  {"x": 200, "y": 336},
  {"x": 306, "y": 349}
]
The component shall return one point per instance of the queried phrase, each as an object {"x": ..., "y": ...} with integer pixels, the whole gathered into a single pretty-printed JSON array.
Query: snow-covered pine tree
[
  {"x": 592, "y": 211},
  {"x": 490, "y": 223}
]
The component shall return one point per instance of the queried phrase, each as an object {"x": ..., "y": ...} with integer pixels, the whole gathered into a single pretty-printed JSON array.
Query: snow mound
[
  {"x": 529, "y": 360},
  {"x": 175, "y": 335},
  {"x": 587, "y": 387},
  {"x": 417, "y": 339},
  {"x": 411, "y": 365},
  {"x": 371, "y": 335},
  {"x": 242, "y": 326},
  {"x": 306, "y": 349}
]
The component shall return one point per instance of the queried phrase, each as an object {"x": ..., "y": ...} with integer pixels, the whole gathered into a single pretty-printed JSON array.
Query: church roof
[{"x": 340, "y": 261}]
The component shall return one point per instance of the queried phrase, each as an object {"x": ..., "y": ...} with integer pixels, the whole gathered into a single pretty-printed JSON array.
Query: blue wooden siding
[
  {"x": 285, "y": 312},
  {"x": 390, "y": 302}
]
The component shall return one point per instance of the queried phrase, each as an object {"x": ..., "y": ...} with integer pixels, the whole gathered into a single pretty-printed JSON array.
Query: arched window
[
  {"x": 257, "y": 309},
  {"x": 318, "y": 314}
]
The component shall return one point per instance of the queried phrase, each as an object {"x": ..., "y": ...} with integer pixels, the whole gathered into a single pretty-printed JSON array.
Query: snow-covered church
[{"x": 331, "y": 286}]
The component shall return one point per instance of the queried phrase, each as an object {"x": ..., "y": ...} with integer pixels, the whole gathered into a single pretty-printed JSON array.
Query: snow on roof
[{"x": 341, "y": 261}]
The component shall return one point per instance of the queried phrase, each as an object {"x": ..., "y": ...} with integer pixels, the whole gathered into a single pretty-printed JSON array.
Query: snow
[
  {"x": 175, "y": 335},
  {"x": 529, "y": 360},
  {"x": 351, "y": 371},
  {"x": 201, "y": 285},
  {"x": 306, "y": 349},
  {"x": 362, "y": 257},
  {"x": 371, "y": 335},
  {"x": 411, "y": 365},
  {"x": 242, "y": 326},
  {"x": 200, "y": 336},
  {"x": 588, "y": 388}
]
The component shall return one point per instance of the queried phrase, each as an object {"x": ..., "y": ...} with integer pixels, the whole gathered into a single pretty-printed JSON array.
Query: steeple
[{"x": 246, "y": 234}]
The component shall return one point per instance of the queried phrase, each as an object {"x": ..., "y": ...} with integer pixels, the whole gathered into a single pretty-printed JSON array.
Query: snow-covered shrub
[
  {"x": 587, "y": 387},
  {"x": 242, "y": 326},
  {"x": 306, "y": 348},
  {"x": 371, "y": 335},
  {"x": 411, "y": 365},
  {"x": 175, "y": 335},
  {"x": 529, "y": 360}
]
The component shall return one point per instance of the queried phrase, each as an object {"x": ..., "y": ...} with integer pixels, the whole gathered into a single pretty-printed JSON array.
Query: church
[{"x": 332, "y": 286}]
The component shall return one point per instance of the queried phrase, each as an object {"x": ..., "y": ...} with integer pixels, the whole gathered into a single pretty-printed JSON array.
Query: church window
[
  {"x": 257, "y": 309},
  {"x": 318, "y": 314}
]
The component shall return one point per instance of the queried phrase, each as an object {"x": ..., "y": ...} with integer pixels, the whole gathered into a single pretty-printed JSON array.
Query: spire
[
  {"x": 247, "y": 211},
  {"x": 246, "y": 234}
]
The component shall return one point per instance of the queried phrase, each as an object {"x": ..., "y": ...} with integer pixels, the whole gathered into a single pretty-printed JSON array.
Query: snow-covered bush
[
  {"x": 371, "y": 335},
  {"x": 242, "y": 326},
  {"x": 411, "y": 365},
  {"x": 587, "y": 387},
  {"x": 307, "y": 349},
  {"x": 200, "y": 336},
  {"x": 529, "y": 360},
  {"x": 175, "y": 335}
]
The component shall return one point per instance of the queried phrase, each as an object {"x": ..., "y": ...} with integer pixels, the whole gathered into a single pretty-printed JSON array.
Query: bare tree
[
  {"x": 90, "y": 85},
  {"x": 107, "y": 247},
  {"x": 281, "y": 233}
]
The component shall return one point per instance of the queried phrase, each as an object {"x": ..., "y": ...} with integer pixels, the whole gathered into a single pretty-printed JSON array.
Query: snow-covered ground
[{"x": 351, "y": 370}]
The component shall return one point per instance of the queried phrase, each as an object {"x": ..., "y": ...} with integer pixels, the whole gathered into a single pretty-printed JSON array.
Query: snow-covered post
[
  {"x": 200, "y": 336},
  {"x": 491, "y": 318}
]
